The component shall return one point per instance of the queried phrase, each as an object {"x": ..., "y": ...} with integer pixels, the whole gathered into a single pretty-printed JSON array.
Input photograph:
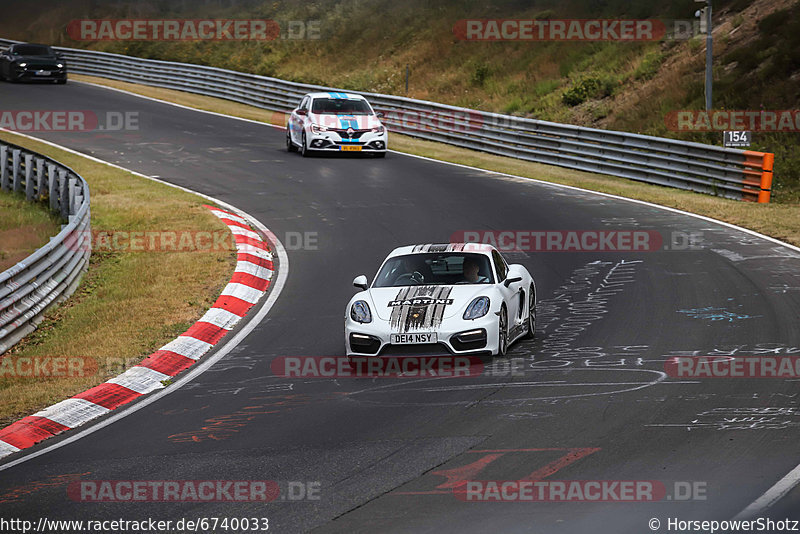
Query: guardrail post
[
  {"x": 71, "y": 193},
  {"x": 4, "y": 168},
  {"x": 16, "y": 175},
  {"x": 766, "y": 178},
  {"x": 40, "y": 178},
  {"x": 52, "y": 183},
  {"x": 63, "y": 194},
  {"x": 29, "y": 176}
]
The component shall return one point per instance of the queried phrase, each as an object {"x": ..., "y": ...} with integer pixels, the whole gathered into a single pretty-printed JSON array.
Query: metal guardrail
[
  {"x": 731, "y": 173},
  {"x": 52, "y": 273}
]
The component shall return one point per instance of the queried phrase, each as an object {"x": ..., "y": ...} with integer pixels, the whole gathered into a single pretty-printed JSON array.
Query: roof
[
  {"x": 335, "y": 95},
  {"x": 442, "y": 247}
]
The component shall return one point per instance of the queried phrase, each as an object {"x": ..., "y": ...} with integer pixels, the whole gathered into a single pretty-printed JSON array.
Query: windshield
[
  {"x": 340, "y": 106},
  {"x": 32, "y": 50},
  {"x": 435, "y": 269}
]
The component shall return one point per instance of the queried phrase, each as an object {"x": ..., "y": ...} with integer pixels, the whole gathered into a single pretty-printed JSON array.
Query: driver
[
  {"x": 407, "y": 269},
  {"x": 472, "y": 272}
]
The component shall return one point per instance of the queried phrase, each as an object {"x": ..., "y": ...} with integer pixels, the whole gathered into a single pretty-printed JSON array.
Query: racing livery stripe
[
  {"x": 422, "y": 314},
  {"x": 250, "y": 281},
  {"x": 440, "y": 247}
]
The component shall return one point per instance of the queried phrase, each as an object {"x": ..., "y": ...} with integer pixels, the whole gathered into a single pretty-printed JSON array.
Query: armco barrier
[
  {"x": 53, "y": 272},
  {"x": 736, "y": 174}
]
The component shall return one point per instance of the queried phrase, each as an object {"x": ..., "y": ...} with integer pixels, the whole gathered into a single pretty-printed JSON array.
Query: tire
[
  {"x": 531, "y": 313},
  {"x": 61, "y": 82},
  {"x": 502, "y": 333},
  {"x": 303, "y": 148},
  {"x": 289, "y": 145},
  {"x": 380, "y": 155}
]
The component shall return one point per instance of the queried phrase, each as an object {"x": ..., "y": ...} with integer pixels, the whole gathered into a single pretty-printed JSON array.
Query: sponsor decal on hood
[{"x": 419, "y": 307}]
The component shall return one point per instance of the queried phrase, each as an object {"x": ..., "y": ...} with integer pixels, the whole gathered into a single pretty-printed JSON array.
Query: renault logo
[{"x": 350, "y": 132}]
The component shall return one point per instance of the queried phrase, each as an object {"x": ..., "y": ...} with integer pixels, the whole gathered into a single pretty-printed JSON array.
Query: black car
[{"x": 32, "y": 62}]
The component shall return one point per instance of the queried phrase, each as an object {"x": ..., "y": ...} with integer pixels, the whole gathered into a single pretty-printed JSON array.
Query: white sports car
[
  {"x": 335, "y": 122},
  {"x": 441, "y": 299}
]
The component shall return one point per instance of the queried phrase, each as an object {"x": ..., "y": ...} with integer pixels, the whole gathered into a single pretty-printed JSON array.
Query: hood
[
  {"x": 343, "y": 122},
  {"x": 38, "y": 60},
  {"x": 422, "y": 307}
]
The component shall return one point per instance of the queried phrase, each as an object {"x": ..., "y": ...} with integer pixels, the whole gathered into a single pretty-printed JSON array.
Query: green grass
[
  {"x": 24, "y": 227},
  {"x": 129, "y": 303}
]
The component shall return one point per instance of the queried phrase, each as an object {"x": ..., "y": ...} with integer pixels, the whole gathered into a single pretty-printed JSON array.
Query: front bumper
[
  {"x": 455, "y": 336},
  {"x": 331, "y": 141},
  {"x": 37, "y": 73}
]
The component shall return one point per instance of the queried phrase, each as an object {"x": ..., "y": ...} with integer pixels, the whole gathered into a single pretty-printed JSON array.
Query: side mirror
[
  {"x": 302, "y": 112},
  {"x": 508, "y": 281},
  {"x": 361, "y": 282},
  {"x": 379, "y": 114}
]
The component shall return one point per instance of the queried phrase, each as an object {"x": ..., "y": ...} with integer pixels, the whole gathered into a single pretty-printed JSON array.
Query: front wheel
[
  {"x": 289, "y": 145},
  {"x": 531, "y": 313},
  {"x": 303, "y": 147},
  {"x": 502, "y": 333}
]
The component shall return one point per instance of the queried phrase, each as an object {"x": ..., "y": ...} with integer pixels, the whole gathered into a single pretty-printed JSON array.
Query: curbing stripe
[
  {"x": 72, "y": 412},
  {"x": 187, "y": 346},
  {"x": 6, "y": 449},
  {"x": 233, "y": 305},
  {"x": 108, "y": 395},
  {"x": 140, "y": 379},
  {"x": 29, "y": 430},
  {"x": 251, "y": 279},
  {"x": 242, "y": 292},
  {"x": 221, "y": 318},
  {"x": 166, "y": 363}
]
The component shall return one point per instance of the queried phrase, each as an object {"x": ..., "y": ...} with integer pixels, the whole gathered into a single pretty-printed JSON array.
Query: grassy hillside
[{"x": 367, "y": 44}]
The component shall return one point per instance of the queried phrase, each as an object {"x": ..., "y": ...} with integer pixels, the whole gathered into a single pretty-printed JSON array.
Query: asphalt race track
[{"x": 592, "y": 403}]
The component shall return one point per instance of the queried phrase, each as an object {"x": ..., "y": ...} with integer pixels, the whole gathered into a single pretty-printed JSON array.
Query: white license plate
[
  {"x": 43, "y": 73},
  {"x": 413, "y": 339}
]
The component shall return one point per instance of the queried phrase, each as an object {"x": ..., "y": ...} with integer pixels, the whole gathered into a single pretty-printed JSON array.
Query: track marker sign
[{"x": 737, "y": 139}]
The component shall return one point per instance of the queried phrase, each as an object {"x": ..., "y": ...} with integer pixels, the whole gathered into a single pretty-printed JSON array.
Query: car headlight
[
  {"x": 60, "y": 65},
  {"x": 477, "y": 308},
  {"x": 378, "y": 130},
  {"x": 360, "y": 313},
  {"x": 23, "y": 65},
  {"x": 318, "y": 129}
]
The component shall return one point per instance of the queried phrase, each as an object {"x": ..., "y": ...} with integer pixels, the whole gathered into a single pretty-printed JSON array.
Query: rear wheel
[{"x": 502, "y": 335}]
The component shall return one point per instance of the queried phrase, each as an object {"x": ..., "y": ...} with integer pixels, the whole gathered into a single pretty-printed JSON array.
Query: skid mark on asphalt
[
  {"x": 226, "y": 426},
  {"x": 458, "y": 476},
  {"x": 742, "y": 418},
  {"x": 20, "y": 492}
]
